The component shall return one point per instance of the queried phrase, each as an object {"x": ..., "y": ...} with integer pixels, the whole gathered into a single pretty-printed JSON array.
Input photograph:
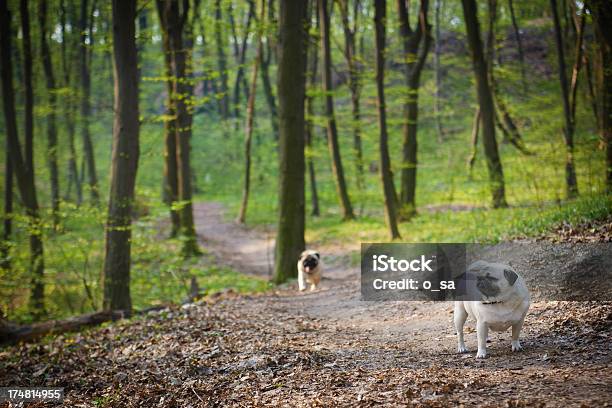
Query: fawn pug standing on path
[
  {"x": 504, "y": 304},
  {"x": 309, "y": 269}
]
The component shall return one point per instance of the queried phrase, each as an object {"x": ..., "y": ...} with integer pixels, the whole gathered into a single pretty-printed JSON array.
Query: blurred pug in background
[
  {"x": 504, "y": 303},
  {"x": 309, "y": 269}
]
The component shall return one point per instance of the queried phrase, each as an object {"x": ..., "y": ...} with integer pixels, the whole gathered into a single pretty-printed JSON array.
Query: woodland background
[{"x": 222, "y": 42}]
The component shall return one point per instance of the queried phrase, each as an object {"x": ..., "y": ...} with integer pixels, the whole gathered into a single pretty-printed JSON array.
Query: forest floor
[{"x": 322, "y": 348}]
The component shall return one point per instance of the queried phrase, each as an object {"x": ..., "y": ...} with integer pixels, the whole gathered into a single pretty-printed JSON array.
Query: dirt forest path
[
  {"x": 324, "y": 349},
  {"x": 404, "y": 352}
]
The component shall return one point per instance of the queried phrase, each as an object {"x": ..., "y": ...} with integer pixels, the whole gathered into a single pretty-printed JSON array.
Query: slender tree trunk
[
  {"x": 241, "y": 59},
  {"x": 265, "y": 76},
  {"x": 88, "y": 149},
  {"x": 36, "y": 245},
  {"x": 438, "y": 73},
  {"x": 5, "y": 246},
  {"x": 170, "y": 183},
  {"x": 291, "y": 92},
  {"x": 474, "y": 143},
  {"x": 73, "y": 172},
  {"x": 221, "y": 60},
  {"x": 416, "y": 46},
  {"x": 28, "y": 121},
  {"x": 236, "y": 44},
  {"x": 577, "y": 65},
  {"x": 248, "y": 131},
  {"x": 22, "y": 165},
  {"x": 183, "y": 92},
  {"x": 312, "y": 77},
  {"x": 485, "y": 100},
  {"x": 591, "y": 88},
  {"x": 354, "y": 82},
  {"x": 70, "y": 109},
  {"x": 51, "y": 118},
  {"x": 519, "y": 44},
  {"x": 602, "y": 22},
  {"x": 570, "y": 172},
  {"x": 141, "y": 42},
  {"x": 332, "y": 131},
  {"x": 502, "y": 115},
  {"x": 124, "y": 162},
  {"x": 390, "y": 196}
]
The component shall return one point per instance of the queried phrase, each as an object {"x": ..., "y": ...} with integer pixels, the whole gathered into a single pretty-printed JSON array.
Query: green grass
[{"x": 478, "y": 225}]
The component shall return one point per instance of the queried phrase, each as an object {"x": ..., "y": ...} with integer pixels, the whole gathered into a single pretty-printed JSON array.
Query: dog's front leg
[
  {"x": 301, "y": 281},
  {"x": 460, "y": 315},
  {"x": 482, "y": 330},
  {"x": 516, "y": 330}
]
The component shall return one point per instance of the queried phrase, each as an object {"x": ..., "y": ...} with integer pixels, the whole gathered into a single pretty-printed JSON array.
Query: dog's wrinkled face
[
  {"x": 491, "y": 280},
  {"x": 487, "y": 285},
  {"x": 310, "y": 260}
]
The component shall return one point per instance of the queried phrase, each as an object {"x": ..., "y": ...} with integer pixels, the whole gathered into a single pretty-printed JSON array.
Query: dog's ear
[
  {"x": 317, "y": 255},
  {"x": 510, "y": 276}
]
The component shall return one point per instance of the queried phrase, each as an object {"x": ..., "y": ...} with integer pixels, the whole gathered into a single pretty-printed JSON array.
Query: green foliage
[{"x": 74, "y": 259}]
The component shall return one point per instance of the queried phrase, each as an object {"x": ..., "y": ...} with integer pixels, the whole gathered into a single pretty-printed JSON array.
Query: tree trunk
[
  {"x": 265, "y": 76},
  {"x": 230, "y": 15},
  {"x": 332, "y": 131},
  {"x": 438, "y": 73},
  {"x": 474, "y": 144},
  {"x": 5, "y": 262},
  {"x": 183, "y": 92},
  {"x": 354, "y": 68},
  {"x": 519, "y": 44},
  {"x": 84, "y": 58},
  {"x": 502, "y": 116},
  {"x": 416, "y": 46},
  {"x": 248, "y": 131},
  {"x": 170, "y": 179},
  {"x": 390, "y": 195},
  {"x": 602, "y": 22},
  {"x": 70, "y": 110},
  {"x": 22, "y": 166},
  {"x": 241, "y": 59},
  {"x": 309, "y": 131},
  {"x": 591, "y": 89},
  {"x": 568, "y": 131},
  {"x": 73, "y": 172},
  {"x": 124, "y": 162},
  {"x": 51, "y": 118},
  {"x": 28, "y": 120},
  {"x": 485, "y": 100},
  {"x": 11, "y": 333},
  {"x": 36, "y": 245},
  {"x": 291, "y": 92},
  {"x": 577, "y": 65},
  {"x": 222, "y": 61}
]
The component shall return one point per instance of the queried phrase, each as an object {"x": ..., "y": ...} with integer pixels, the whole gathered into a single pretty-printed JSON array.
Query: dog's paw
[
  {"x": 516, "y": 346},
  {"x": 481, "y": 354},
  {"x": 462, "y": 349}
]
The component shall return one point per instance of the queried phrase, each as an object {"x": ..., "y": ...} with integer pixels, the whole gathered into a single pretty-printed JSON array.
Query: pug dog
[
  {"x": 309, "y": 269},
  {"x": 504, "y": 303}
]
